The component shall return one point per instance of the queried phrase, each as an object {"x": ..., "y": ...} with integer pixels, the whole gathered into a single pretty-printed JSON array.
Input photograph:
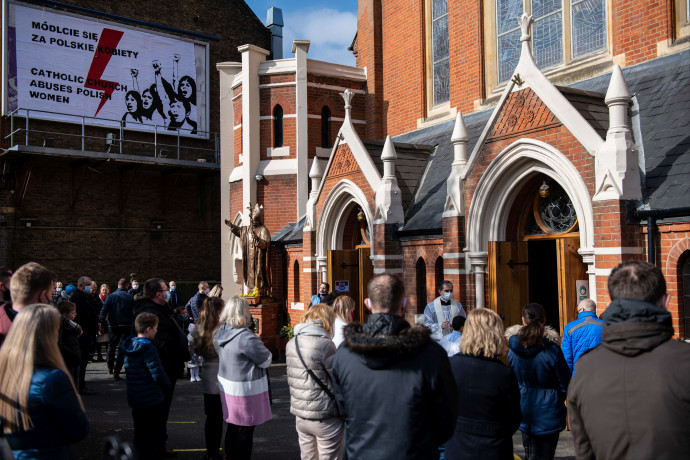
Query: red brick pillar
[{"x": 615, "y": 241}]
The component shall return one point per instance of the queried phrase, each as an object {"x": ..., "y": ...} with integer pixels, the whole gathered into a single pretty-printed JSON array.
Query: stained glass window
[
  {"x": 507, "y": 12},
  {"x": 588, "y": 26},
  {"x": 587, "y": 31},
  {"x": 439, "y": 51}
]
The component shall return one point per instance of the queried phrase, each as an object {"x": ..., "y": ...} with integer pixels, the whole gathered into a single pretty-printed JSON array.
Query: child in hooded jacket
[{"x": 146, "y": 379}]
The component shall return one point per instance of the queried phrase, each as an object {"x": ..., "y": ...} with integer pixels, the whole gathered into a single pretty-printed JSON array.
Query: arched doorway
[
  {"x": 343, "y": 243},
  {"x": 536, "y": 248}
]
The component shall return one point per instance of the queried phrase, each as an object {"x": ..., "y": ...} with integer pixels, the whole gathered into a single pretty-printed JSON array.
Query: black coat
[
  {"x": 69, "y": 342},
  {"x": 394, "y": 387},
  {"x": 630, "y": 396},
  {"x": 87, "y": 318},
  {"x": 488, "y": 409},
  {"x": 170, "y": 341}
]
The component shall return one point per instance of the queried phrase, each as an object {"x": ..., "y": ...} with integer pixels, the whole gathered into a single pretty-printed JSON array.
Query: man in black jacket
[
  {"x": 393, "y": 384},
  {"x": 118, "y": 309},
  {"x": 630, "y": 396},
  {"x": 88, "y": 320},
  {"x": 169, "y": 340}
]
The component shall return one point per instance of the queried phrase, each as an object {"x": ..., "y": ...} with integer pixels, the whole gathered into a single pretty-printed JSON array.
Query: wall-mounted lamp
[
  {"x": 157, "y": 223},
  {"x": 259, "y": 177},
  {"x": 28, "y": 220}
]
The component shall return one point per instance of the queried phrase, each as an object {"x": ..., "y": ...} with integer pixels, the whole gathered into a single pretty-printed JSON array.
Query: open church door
[
  {"x": 343, "y": 273},
  {"x": 508, "y": 279},
  {"x": 570, "y": 270},
  {"x": 366, "y": 273}
]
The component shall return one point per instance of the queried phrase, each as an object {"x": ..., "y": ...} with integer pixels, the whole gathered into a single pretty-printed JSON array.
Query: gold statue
[{"x": 256, "y": 243}]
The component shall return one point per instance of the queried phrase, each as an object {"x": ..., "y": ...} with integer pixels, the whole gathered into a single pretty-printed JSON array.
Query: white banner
[{"x": 78, "y": 66}]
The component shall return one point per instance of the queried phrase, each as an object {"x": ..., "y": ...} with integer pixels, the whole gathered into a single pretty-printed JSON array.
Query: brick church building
[{"x": 519, "y": 149}]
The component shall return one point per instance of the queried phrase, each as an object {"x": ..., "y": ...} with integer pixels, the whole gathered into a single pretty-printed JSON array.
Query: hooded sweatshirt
[
  {"x": 145, "y": 375},
  {"x": 242, "y": 379},
  {"x": 395, "y": 389},
  {"x": 630, "y": 396},
  {"x": 543, "y": 377}
]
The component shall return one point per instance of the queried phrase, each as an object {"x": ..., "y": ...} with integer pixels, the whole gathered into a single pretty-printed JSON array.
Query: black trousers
[
  {"x": 540, "y": 447},
  {"x": 173, "y": 374},
  {"x": 85, "y": 344},
  {"x": 213, "y": 428},
  {"x": 116, "y": 334},
  {"x": 149, "y": 437},
  {"x": 238, "y": 441}
]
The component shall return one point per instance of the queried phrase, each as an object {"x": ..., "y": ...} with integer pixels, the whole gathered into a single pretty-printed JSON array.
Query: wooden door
[
  {"x": 508, "y": 279},
  {"x": 366, "y": 273},
  {"x": 343, "y": 272},
  {"x": 570, "y": 269}
]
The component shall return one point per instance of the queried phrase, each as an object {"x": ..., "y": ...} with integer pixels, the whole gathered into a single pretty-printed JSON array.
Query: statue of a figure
[{"x": 256, "y": 241}]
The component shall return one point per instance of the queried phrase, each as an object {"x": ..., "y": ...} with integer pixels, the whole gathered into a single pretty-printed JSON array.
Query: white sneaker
[
  {"x": 191, "y": 379},
  {"x": 198, "y": 379}
]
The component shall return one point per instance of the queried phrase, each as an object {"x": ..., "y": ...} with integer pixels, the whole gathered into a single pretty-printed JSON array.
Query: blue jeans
[{"x": 540, "y": 447}]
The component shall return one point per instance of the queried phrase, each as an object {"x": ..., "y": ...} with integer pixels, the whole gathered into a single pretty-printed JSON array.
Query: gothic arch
[
  {"x": 329, "y": 229},
  {"x": 500, "y": 183}
]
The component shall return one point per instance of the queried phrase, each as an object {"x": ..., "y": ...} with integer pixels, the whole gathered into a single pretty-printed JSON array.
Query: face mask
[
  {"x": 447, "y": 295},
  {"x": 87, "y": 289},
  {"x": 172, "y": 288},
  {"x": 207, "y": 291},
  {"x": 59, "y": 289},
  {"x": 135, "y": 286}
]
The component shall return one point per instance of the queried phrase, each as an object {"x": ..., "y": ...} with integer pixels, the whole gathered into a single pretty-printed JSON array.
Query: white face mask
[{"x": 135, "y": 286}]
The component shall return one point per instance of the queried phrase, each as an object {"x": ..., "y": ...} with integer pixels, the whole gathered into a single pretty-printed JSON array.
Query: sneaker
[
  {"x": 116, "y": 376},
  {"x": 191, "y": 379},
  {"x": 198, "y": 379}
]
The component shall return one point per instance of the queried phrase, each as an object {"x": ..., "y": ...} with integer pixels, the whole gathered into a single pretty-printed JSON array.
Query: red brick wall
[
  {"x": 429, "y": 249},
  {"x": 370, "y": 55},
  {"x": 278, "y": 195},
  {"x": 638, "y": 26}
]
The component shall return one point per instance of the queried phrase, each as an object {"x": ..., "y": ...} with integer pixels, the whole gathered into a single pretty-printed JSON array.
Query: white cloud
[{"x": 330, "y": 32}]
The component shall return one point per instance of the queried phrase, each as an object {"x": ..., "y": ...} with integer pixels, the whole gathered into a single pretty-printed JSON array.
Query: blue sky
[{"x": 329, "y": 25}]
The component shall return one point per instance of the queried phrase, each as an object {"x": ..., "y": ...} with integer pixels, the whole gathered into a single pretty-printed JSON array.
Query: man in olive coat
[{"x": 630, "y": 396}]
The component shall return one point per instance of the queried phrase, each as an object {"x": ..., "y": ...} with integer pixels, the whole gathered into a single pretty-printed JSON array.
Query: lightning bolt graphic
[{"x": 109, "y": 39}]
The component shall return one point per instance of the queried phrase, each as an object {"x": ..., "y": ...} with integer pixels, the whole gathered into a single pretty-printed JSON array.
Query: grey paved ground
[{"x": 277, "y": 439}]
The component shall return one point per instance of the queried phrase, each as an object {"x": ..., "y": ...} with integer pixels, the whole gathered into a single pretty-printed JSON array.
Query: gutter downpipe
[{"x": 652, "y": 215}]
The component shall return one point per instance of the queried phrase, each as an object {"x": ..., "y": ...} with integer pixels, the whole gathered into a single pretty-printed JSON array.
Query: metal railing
[{"x": 186, "y": 145}]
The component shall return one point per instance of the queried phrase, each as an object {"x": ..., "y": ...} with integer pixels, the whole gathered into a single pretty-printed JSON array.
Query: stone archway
[
  {"x": 329, "y": 229},
  {"x": 494, "y": 197}
]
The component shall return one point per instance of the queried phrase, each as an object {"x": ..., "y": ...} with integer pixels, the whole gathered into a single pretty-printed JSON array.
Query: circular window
[{"x": 555, "y": 213}]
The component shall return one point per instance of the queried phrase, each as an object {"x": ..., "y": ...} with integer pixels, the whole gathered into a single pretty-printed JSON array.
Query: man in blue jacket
[
  {"x": 118, "y": 308},
  {"x": 582, "y": 334}
]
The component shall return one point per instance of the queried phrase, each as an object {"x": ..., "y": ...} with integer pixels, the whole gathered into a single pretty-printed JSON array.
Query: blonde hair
[
  {"x": 31, "y": 341},
  {"x": 217, "y": 291},
  {"x": 344, "y": 306},
  {"x": 236, "y": 312},
  {"x": 321, "y": 313},
  {"x": 483, "y": 334}
]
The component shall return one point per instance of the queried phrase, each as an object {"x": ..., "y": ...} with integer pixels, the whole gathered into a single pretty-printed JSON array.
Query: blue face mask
[
  {"x": 447, "y": 295},
  {"x": 87, "y": 289},
  {"x": 59, "y": 289},
  {"x": 172, "y": 288}
]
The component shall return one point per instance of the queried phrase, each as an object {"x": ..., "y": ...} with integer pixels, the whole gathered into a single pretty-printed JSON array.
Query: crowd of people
[{"x": 380, "y": 389}]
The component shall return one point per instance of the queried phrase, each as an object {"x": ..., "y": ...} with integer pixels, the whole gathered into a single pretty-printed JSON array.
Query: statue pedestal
[{"x": 267, "y": 314}]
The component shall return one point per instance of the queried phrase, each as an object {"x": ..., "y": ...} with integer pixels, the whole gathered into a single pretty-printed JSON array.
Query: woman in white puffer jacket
[{"x": 319, "y": 427}]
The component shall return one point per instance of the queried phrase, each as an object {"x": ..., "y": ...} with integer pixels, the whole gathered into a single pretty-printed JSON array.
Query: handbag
[{"x": 316, "y": 379}]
